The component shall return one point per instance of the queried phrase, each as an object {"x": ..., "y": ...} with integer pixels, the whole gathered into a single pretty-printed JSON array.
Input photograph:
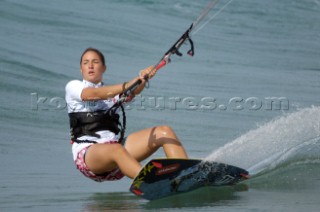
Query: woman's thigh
[
  {"x": 139, "y": 144},
  {"x": 145, "y": 142},
  {"x": 99, "y": 157}
]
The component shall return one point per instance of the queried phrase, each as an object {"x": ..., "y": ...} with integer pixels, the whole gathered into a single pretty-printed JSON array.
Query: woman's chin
[{"x": 93, "y": 79}]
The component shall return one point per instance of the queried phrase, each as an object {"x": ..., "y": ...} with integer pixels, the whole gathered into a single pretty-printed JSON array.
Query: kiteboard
[{"x": 165, "y": 177}]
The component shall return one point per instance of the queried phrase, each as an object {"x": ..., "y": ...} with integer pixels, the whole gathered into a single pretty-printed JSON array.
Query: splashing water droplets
[{"x": 289, "y": 138}]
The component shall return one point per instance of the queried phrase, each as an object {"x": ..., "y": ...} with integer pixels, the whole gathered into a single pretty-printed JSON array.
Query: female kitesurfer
[{"x": 99, "y": 150}]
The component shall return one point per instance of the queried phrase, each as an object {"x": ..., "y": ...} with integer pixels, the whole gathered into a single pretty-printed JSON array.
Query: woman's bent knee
[
  {"x": 166, "y": 134},
  {"x": 164, "y": 130}
]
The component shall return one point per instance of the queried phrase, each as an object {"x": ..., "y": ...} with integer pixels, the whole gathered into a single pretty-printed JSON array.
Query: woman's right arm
[
  {"x": 111, "y": 91},
  {"x": 104, "y": 92}
]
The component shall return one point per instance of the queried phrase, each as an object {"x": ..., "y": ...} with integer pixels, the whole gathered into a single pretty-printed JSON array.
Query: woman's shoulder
[
  {"x": 73, "y": 91},
  {"x": 74, "y": 84}
]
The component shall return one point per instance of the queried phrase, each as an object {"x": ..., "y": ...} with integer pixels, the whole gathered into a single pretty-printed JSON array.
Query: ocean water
[{"x": 249, "y": 97}]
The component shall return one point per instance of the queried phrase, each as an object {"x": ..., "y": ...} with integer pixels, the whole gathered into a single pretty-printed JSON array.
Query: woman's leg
[
  {"x": 144, "y": 143},
  {"x": 101, "y": 158}
]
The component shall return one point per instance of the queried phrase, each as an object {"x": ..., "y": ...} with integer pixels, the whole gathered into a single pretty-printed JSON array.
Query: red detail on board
[
  {"x": 246, "y": 176},
  {"x": 137, "y": 192},
  {"x": 168, "y": 169},
  {"x": 158, "y": 165}
]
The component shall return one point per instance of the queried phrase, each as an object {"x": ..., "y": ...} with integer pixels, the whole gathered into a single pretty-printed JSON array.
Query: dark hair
[{"x": 96, "y": 51}]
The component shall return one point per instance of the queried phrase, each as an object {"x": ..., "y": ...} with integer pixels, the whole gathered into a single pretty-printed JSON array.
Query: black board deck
[{"x": 164, "y": 177}]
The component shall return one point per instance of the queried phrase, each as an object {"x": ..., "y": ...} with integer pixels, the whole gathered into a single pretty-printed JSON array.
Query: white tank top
[{"x": 75, "y": 104}]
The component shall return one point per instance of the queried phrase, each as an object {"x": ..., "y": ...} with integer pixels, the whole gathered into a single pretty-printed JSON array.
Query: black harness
[{"x": 88, "y": 123}]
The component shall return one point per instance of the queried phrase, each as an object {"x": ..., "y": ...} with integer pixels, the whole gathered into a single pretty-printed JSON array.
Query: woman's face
[{"x": 92, "y": 67}]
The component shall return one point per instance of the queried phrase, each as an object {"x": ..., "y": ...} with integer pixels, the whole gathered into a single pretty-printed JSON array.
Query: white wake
[{"x": 293, "y": 137}]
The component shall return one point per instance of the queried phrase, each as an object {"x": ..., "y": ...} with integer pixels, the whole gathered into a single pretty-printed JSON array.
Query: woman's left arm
[{"x": 150, "y": 71}]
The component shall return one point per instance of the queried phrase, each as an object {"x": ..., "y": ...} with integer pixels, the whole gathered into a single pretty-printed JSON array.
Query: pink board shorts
[{"x": 114, "y": 174}]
